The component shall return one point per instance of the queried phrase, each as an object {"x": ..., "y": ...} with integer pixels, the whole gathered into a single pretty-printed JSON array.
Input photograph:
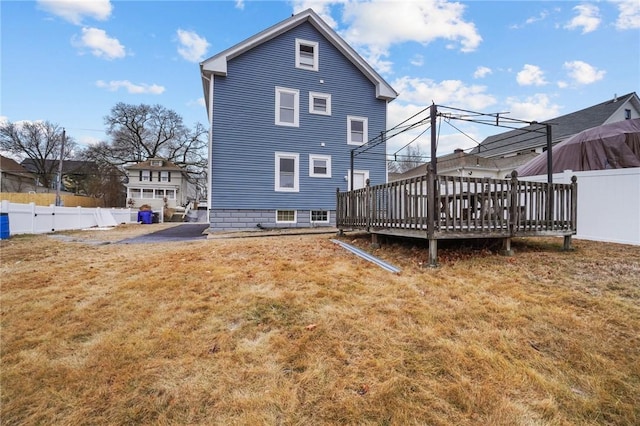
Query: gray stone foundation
[{"x": 247, "y": 220}]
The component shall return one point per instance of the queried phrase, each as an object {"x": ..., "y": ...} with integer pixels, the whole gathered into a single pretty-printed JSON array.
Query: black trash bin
[{"x": 156, "y": 217}]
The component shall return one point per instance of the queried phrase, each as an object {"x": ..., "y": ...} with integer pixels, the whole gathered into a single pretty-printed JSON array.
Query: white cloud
[
  {"x": 99, "y": 43},
  {"x": 629, "y": 17},
  {"x": 583, "y": 73},
  {"x": 422, "y": 91},
  {"x": 588, "y": 18},
  {"x": 482, "y": 72},
  {"x": 417, "y": 94},
  {"x": 75, "y": 10},
  {"x": 531, "y": 75},
  {"x": 374, "y": 26},
  {"x": 240, "y": 4},
  {"x": 541, "y": 17},
  {"x": 192, "y": 47},
  {"x": 534, "y": 108},
  {"x": 132, "y": 88},
  {"x": 417, "y": 60},
  {"x": 3, "y": 120}
]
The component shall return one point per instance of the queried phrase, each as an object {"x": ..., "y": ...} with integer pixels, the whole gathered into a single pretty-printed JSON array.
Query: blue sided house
[{"x": 286, "y": 107}]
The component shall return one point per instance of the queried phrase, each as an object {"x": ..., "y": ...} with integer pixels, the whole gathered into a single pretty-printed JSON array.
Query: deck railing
[{"x": 459, "y": 206}]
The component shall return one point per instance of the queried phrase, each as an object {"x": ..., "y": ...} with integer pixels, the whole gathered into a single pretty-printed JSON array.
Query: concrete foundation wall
[{"x": 239, "y": 220}]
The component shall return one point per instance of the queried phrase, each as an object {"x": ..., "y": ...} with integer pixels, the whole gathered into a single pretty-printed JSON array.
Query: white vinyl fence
[
  {"x": 608, "y": 203},
  {"x": 32, "y": 219}
]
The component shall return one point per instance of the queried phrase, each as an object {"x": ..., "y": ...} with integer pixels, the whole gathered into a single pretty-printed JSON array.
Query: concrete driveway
[{"x": 183, "y": 232}]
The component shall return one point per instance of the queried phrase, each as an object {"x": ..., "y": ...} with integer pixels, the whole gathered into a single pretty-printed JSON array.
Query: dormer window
[
  {"x": 156, "y": 163},
  {"x": 307, "y": 54}
]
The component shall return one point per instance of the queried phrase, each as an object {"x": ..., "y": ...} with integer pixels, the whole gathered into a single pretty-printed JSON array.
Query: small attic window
[
  {"x": 156, "y": 163},
  {"x": 307, "y": 54},
  {"x": 627, "y": 114}
]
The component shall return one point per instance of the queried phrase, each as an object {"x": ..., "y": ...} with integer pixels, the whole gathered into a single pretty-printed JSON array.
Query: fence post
[
  {"x": 574, "y": 203},
  {"x": 32, "y": 206}
]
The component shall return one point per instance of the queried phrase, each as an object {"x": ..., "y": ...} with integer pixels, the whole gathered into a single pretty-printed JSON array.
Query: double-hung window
[
  {"x": 307, "y": 54},
  {"x": 319, "y": 216},
  {"x": 287, "y": 107},
  {"x": 145, "y": 175},
  {"x": 319, "y": 103},
  {"x": 287, "y": 174},
  {"x": 357, "y": 130},
  {"x": 165, "y": 176},
  {"x": 319, "y": 166}
]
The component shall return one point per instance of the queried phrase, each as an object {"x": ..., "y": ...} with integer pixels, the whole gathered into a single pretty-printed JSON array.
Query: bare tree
[
  {"x": 412, "y": 158},
  {"x": 38, "y": 141},
  {"x": 141, "y": 132}
]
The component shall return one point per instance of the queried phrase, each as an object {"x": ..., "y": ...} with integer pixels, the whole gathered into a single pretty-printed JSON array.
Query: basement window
[
  {"x": 286, "y": 216},
  {"x": 319, "y": 216}
]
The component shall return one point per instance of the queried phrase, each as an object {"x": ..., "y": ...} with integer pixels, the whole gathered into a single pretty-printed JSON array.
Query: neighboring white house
[{"x": 158, "y": 183}]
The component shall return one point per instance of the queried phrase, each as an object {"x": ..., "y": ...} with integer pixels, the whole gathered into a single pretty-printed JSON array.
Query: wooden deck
[{"x": 461, "y": 207}]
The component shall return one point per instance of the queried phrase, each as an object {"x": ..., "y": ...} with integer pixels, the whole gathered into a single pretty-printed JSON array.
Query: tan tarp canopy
[{"x": 610, "y": 146}]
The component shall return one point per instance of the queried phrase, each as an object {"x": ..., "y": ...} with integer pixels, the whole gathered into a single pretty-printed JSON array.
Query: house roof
[
  {"x": 146, "y": 165},
  {"x": 10, "y": 166},
  {"x": 68, "y": 166},
  {"x": 217, "y": 64},
  {"x": 561, "y": 128}
]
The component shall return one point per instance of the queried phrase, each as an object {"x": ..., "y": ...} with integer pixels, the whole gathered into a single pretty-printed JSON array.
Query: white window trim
[
  {"x": 326, "y": 96},
  {"x": 319, "y": 221},
  {"x": 146, "y": 176},
  {"x": 296, "y": 171},
  {"x": 296, "y": 107},
  {"x": 316, "y": 55},
  {"x": 327, "y": 158},
  {"x": 365, "y": 128},
  {"x": 364, "y": 172},
  {"x": 295, "y": 217}
]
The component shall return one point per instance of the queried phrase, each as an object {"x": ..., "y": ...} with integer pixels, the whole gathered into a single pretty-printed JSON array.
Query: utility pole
[{"x": 59, "y": 183}]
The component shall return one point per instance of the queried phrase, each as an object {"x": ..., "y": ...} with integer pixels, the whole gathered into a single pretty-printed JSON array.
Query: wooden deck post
[
  {"x": 375, "y": 241},
  {"x": 433, "y": 252},
  {"x": 431, "y": 217},
  {"x": 506, "y": 247},
  {"x": 514, "y": 210}
]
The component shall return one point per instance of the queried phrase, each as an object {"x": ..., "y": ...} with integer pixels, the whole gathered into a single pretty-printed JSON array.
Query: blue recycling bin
[
  {"x": 145, "y": 216},
  {"x": 4, "y": 226}
]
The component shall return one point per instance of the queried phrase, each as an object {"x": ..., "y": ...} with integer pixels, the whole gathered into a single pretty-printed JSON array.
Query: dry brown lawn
[{"x": 295, "y": 330}]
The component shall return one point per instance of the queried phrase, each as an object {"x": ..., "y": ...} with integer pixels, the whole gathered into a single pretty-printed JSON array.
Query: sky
[{"x": 70, "y": 61}]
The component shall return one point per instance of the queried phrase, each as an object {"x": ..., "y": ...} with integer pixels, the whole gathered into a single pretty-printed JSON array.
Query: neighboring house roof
[
  {"x": 148, "y": 165},
  {"x": 9, "y": 166},
  {"x": 68, "y": 166},
  {"x": 217, "y": 65},
  {"x": 522, "y": 140}
]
